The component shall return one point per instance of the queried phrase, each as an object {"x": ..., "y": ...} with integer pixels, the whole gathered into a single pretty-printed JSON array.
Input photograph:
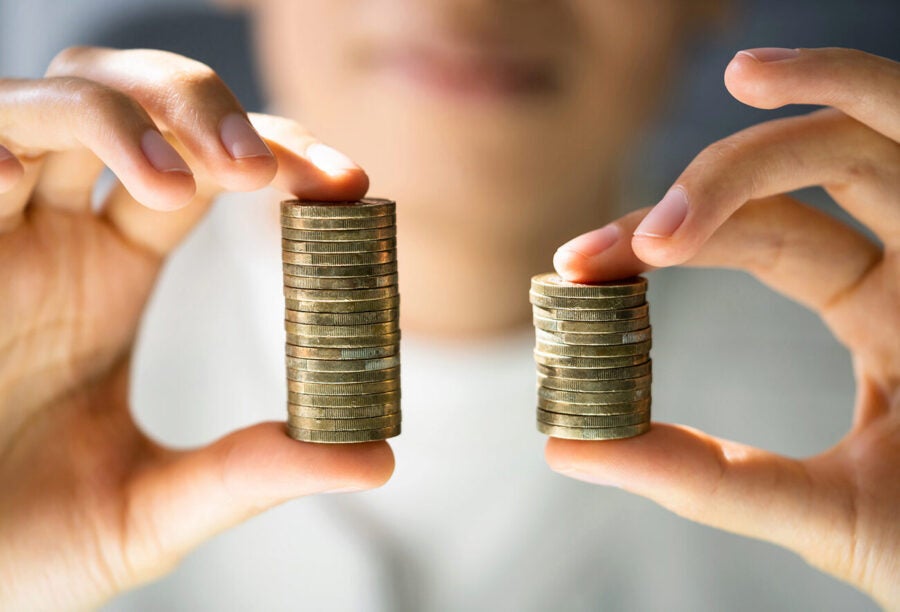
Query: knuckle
[
  {"x": 195, "y": 79},
  {"x": 62, "y": 62},
  {"x": 99, "y": 100}
]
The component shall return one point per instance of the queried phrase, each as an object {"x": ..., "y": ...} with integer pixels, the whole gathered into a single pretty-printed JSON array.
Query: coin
[
  {"x": 551, "y": 284},
  {"x": 581, "y": 303},
  {"x": 344, "y": 282},
  {"x": 573, "y": 420},
  {"x": 593, "y": 386},
  {"x": 317, "y": 352},
  {"x": 569, "y": 314},
  {"x": 600, "y": 339},
  {"x": 352, "y": 424},
  {"x": 343, "y": 388},
  {"x": 597, "y": 397},
  {"x": 592, "y": 433},
  {"x": 389, "y": 267},
  {"x": 593, "y": 409},
  {"x": 344, "y": 401},
  {"x": 370, "y": 258},
  {"x": 621, "y": 350},
  {"x": 590, "y": 327},
  {"x": 294, "y": 374},
  {"x": 342, "y": 306},
  {"x": 342, "y": 330},
  {"x": 360, "y": 412},
  {"x": 342, "y": 318},
  {"x": 361, "y": 246},
  {"x": 593, "y": 373},
  {"x": 343, "y": 341},
  {"x": 356, "y": 235},
  {"x": 366, "y": 364},
  {"x": 366, "y": 207},
  {"x": 378, "y": 293},
  {"x": 342, "y": 437},
  {"x": 569, "y": 361},
  {"x": 338, "y": 223}
]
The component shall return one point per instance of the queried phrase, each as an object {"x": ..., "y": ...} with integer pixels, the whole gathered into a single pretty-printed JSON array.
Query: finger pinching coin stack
[
  {"x": 341, "y": 318},
  {"x": 592, "y": 354}
]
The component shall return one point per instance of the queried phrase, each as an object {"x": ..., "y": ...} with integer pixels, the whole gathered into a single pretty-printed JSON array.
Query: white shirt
[{"x": 473, "y": 519}]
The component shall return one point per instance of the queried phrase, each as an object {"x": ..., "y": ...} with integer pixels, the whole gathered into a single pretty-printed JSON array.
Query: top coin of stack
[
  {"x": 592, "y": 355},
  {"x": 342, "y": 320}
]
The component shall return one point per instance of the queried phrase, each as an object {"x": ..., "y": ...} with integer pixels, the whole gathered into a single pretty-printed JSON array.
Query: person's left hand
[{"x": 839, "y": 510}]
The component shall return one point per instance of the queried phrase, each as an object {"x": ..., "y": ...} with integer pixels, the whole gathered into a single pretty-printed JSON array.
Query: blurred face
[{"x": 474, "y": 112}]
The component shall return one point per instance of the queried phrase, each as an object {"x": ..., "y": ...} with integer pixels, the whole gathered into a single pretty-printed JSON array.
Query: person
[{"x": 499, "y": 129}]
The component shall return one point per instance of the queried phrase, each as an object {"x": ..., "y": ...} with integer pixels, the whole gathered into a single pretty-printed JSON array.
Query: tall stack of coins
[
  {"x": 341, "y": 318},
  {"x": 592, "y": 354}
]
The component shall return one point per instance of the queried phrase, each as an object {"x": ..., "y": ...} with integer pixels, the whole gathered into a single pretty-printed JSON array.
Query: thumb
[
  {"x": 719, "y": 483},
  {"x": 190, "y": 496}
]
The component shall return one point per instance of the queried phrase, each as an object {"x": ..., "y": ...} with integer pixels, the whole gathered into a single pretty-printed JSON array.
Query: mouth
[{"x": 476, "y": 73}]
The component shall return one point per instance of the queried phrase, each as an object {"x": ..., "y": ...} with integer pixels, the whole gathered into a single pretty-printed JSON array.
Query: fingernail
[
  {"x": 770, "y": 54},
  {"x": 240, "y": 139},
  {"x": 161, "y": 154},
  {"x": 578, "y": 251},
  {"x": 331, "y": 161},
  {"x": 5, "y": 153},
  {"x": 666, "y": 217},
  {"x": 591, "y": 477}
]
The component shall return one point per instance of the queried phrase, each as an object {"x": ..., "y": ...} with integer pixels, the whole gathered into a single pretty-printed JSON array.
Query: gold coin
[
  {"x": 389, "y": 267},
  {"x": 551, "y": 284},
  {"x": 342, "y": 331},
  {"x": 594, "y": 421},
  {"x": 318, "y": 352},
  {"x": 343, "y": 282},
  {"x": 342, "y": 318},
  {"x": 589, "y": 433},
  {"x": 372, "y": 258},
  {"x": 338, "y": 223},
  {"x": 342, "y": 437},
  {"x": 362, "y": 246},
  {"x": 619, "y": 350},
  {"x": 597, "y": 397},
  {"x": 585, "y": 339},
  {"x": 307, "y": 376},
  {"x": 341, "y": 306},
  {"x": 594, "y": 409},
  {"x": 344, "y": 401},
  {"x": 379, "y": 233},
  {"x": 593, "y": 386},
  {"x": 343, "y": 365},
  {"x": 577, "y": 303},
  {"x": 343, "y": 341},
  {"x": 344, "y": 388},
  {"x": 352, "y": 424},
  {"x": 590, "y": 327},
  {"x": 569, "y": 314},
  {"x": 378, "y": 293},
  {"x": 362, "y": 412},
  {"x": 366, "y": 207},
  {"x": 568, "y": 361},
  {"x": 598, "y": 374}
]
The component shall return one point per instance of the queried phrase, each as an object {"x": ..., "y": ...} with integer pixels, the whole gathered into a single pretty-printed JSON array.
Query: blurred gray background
[{"x": 764, "y": 363}]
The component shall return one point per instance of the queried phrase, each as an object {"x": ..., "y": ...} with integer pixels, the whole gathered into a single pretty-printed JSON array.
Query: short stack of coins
[
  {"x": 341, "y": 316},
  {"x": 592, "y": 353}
]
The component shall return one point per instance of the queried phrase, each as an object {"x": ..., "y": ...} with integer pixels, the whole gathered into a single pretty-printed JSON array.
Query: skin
[{"x": 90, "y": 506}]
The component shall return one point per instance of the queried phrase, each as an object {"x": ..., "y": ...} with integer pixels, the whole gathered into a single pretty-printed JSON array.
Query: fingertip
[
  {"x": 569, "y": 264},
  {"x": 347, "y": 179},
  {"x": 748, "y": 80}
]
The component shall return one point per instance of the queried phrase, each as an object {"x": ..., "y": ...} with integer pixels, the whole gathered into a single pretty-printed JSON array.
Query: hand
[
  {"x": 88, "y": 504},
  {"x": 839, "y": 510}
]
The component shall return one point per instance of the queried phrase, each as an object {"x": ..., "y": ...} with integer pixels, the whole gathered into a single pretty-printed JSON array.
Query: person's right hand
[{"x": 89, "y": 505}]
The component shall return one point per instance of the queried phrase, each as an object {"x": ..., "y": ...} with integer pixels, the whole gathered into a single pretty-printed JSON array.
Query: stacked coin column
[
  {"x": 592, "y": 354},
  {"x": 342, "y": 320}
]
